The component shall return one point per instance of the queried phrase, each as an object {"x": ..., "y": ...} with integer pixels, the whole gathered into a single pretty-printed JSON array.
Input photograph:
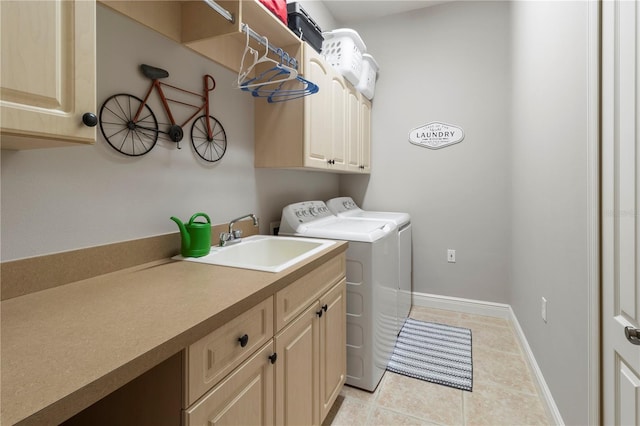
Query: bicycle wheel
[
  {"x": 121, "y": 132},
  {"x": 208, "y": 148}
]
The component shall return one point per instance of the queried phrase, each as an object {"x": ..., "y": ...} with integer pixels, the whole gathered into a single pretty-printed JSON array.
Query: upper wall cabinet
[
  {"x": 48, "y": 73},
  {"x": 328, "y": 131},
  {"x": 200, "y": 28}
]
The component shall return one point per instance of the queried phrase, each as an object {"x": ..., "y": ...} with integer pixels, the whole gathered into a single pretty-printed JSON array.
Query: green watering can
[{"x": 196, "y": 236}]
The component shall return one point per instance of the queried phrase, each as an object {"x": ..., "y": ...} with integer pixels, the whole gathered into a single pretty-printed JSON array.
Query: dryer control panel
[{"x": 342, "y": 204}]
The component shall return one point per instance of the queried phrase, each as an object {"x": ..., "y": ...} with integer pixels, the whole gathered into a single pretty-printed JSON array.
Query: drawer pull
[
  {"x": 321, "y": 311},
  {"x": 273, "y": 358},
  {"x": 243, "y": 340}
]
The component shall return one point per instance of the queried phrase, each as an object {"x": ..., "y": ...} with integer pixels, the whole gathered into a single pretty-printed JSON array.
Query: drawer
[
  {"x": 295, "y": 298},
  {"x": 215, "y": 355},
  {"x": 245, "y": 397}
]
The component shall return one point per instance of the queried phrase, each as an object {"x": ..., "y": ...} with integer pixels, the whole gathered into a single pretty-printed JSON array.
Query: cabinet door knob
[
  {"x": 273, "y": 358},
  {"x": 243, "y": 340},
  {"x": 325, "y": 307},
  {"x": 89, "y": 119},
  {"x": 319, "y": 313}
]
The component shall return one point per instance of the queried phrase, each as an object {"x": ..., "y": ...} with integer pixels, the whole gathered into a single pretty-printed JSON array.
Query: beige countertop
[{"x": 64, "y": 348}]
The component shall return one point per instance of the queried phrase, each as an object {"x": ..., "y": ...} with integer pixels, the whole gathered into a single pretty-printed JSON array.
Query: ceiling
[{"x": 346, "y": 11}]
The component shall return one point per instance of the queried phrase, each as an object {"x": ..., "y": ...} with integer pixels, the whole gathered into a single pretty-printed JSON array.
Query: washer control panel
[
  {"x": 311, "y": 210},
  {"x": 304, "y": 212}
]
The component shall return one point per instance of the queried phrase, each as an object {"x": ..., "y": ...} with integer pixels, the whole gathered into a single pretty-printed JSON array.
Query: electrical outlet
[
  {"x": 451, "y": 256},
  {"x": 544, "y": 309}
]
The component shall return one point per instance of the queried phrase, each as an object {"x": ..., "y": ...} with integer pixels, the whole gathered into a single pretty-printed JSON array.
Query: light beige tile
[
  {"x": 434, "y": 315},
  {"x": 503, "y": 369},
  {"x": 359, "y": 394},
  {"x": 352, "y": 412},
  {"x": 424, "y": 400},
  {"x": 382, "y": 416},
  {"x": 503, "y": 389},
  {"x": 488, "y": 336},
  {"x": 495, "y": 405},
  {"x": 485, "y": 320}
]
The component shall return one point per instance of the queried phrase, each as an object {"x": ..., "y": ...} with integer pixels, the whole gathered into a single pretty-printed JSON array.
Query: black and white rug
[{"x": 433, "y": 352}]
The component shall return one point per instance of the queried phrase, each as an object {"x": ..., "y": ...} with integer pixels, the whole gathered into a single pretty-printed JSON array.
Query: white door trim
[{"x": 593, "y": 203}]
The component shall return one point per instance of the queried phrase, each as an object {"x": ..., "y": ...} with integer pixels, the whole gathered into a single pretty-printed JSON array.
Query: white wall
[
  {"x": 550, "y": 193},
  {"x": 444, "y": 63},
  {"x": 67, "y": 198}
]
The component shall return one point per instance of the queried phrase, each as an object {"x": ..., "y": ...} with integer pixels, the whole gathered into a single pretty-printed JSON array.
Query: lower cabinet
[
  {"x": 311, "y": 367},
  {"x": 292, "y": 379}
]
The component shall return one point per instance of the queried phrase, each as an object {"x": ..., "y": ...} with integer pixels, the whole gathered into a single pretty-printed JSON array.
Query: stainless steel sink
[{"x": 263, "y": 252}]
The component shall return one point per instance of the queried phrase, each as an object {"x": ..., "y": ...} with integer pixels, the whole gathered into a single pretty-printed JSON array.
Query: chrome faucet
[{"x": 234, "y": 236}]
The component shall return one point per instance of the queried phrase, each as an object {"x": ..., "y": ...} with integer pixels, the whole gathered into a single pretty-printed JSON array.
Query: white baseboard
[
  {"x": 498, "y": 310},
  {"x": 468, "y": 306}
]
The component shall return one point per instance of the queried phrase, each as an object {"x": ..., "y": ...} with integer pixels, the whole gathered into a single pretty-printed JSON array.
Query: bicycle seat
[{"x": 153, "y": 73}]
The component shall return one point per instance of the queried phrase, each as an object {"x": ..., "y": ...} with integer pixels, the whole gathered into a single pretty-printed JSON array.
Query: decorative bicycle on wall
[{"x": 131, "y": 128}]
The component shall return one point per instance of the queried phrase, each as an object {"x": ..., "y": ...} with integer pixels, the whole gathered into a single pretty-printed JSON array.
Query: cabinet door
[
  {"x": 354, "y": 139},
  {"x": 317, "y": 114},
  {"x": 48, "y": 72},
  {"x": 297, "y": 370},
  {"x": 339, "y": 122},
  {"x": 333, "y": 345},
  {"x": 365, "y": 135},
  {"x": 245, "y": 397}
]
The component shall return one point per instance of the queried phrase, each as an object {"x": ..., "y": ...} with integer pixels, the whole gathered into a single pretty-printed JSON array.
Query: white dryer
[
  {"x": 346, "y": 207},
  {"x": 372, "y": 269}
]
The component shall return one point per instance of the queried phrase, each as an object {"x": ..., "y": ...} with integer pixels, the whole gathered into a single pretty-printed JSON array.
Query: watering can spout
[{"x": 184, "y": 234}]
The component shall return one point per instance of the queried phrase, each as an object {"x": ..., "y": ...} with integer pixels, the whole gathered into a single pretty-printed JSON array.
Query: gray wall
[
  {"x": 513, "y": 197},
  {"x": 549, "y": 187},
  {"x": 445, "y": 63},
  {"x": 68, "y": 198}
]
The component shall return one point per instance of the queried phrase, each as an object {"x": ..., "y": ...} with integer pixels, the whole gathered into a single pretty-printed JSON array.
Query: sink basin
[{"x": 263, "y": 252}]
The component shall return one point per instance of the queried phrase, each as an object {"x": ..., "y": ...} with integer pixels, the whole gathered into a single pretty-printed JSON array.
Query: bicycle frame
[{"x": 209, "y": 85}]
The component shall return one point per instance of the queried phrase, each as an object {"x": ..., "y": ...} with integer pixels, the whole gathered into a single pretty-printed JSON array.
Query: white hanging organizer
[{"x": 277, "y": 83}]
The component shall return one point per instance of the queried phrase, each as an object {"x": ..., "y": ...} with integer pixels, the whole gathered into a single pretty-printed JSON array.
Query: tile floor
[{"x": 503, "y": 389}]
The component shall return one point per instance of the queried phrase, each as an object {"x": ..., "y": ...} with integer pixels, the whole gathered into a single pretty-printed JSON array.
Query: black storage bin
[{"x": 303, "y": 26}]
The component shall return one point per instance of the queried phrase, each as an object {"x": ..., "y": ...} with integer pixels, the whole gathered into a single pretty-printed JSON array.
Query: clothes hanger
[
  {"x": 285, "y": 89},
  {"x": 279, "y": 72}
]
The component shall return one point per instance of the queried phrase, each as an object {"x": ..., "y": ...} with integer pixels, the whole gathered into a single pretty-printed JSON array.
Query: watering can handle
[{"x": 198, "y": 215}]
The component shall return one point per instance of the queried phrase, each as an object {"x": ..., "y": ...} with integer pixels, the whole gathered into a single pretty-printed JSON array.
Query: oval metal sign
[{"x": 436, "y": 135}]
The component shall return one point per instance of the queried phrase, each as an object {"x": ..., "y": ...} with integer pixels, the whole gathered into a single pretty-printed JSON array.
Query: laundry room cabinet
[
  {"x": 328, "y": 131},
  {"x": 281, "y": 362},
  {"x": 48, "y": 73}
]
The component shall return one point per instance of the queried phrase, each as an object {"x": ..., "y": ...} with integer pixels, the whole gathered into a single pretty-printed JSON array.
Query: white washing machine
[
  {"x": 346, "y": 207},
  {"x": 372, "y": 270}
]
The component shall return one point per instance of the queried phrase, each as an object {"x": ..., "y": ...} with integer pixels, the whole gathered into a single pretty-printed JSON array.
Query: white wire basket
[
  {"x": 343, "y": 49},
  {"x": 367, "y": 83}
]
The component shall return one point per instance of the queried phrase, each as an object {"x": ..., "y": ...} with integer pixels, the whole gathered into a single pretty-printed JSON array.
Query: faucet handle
[
  {"x": 237, "y": 233},
  {"x": 224, "y": 237}
]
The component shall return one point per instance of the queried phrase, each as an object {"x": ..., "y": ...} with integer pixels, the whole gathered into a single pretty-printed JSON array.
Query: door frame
[{"x": 594, "y": 325}]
